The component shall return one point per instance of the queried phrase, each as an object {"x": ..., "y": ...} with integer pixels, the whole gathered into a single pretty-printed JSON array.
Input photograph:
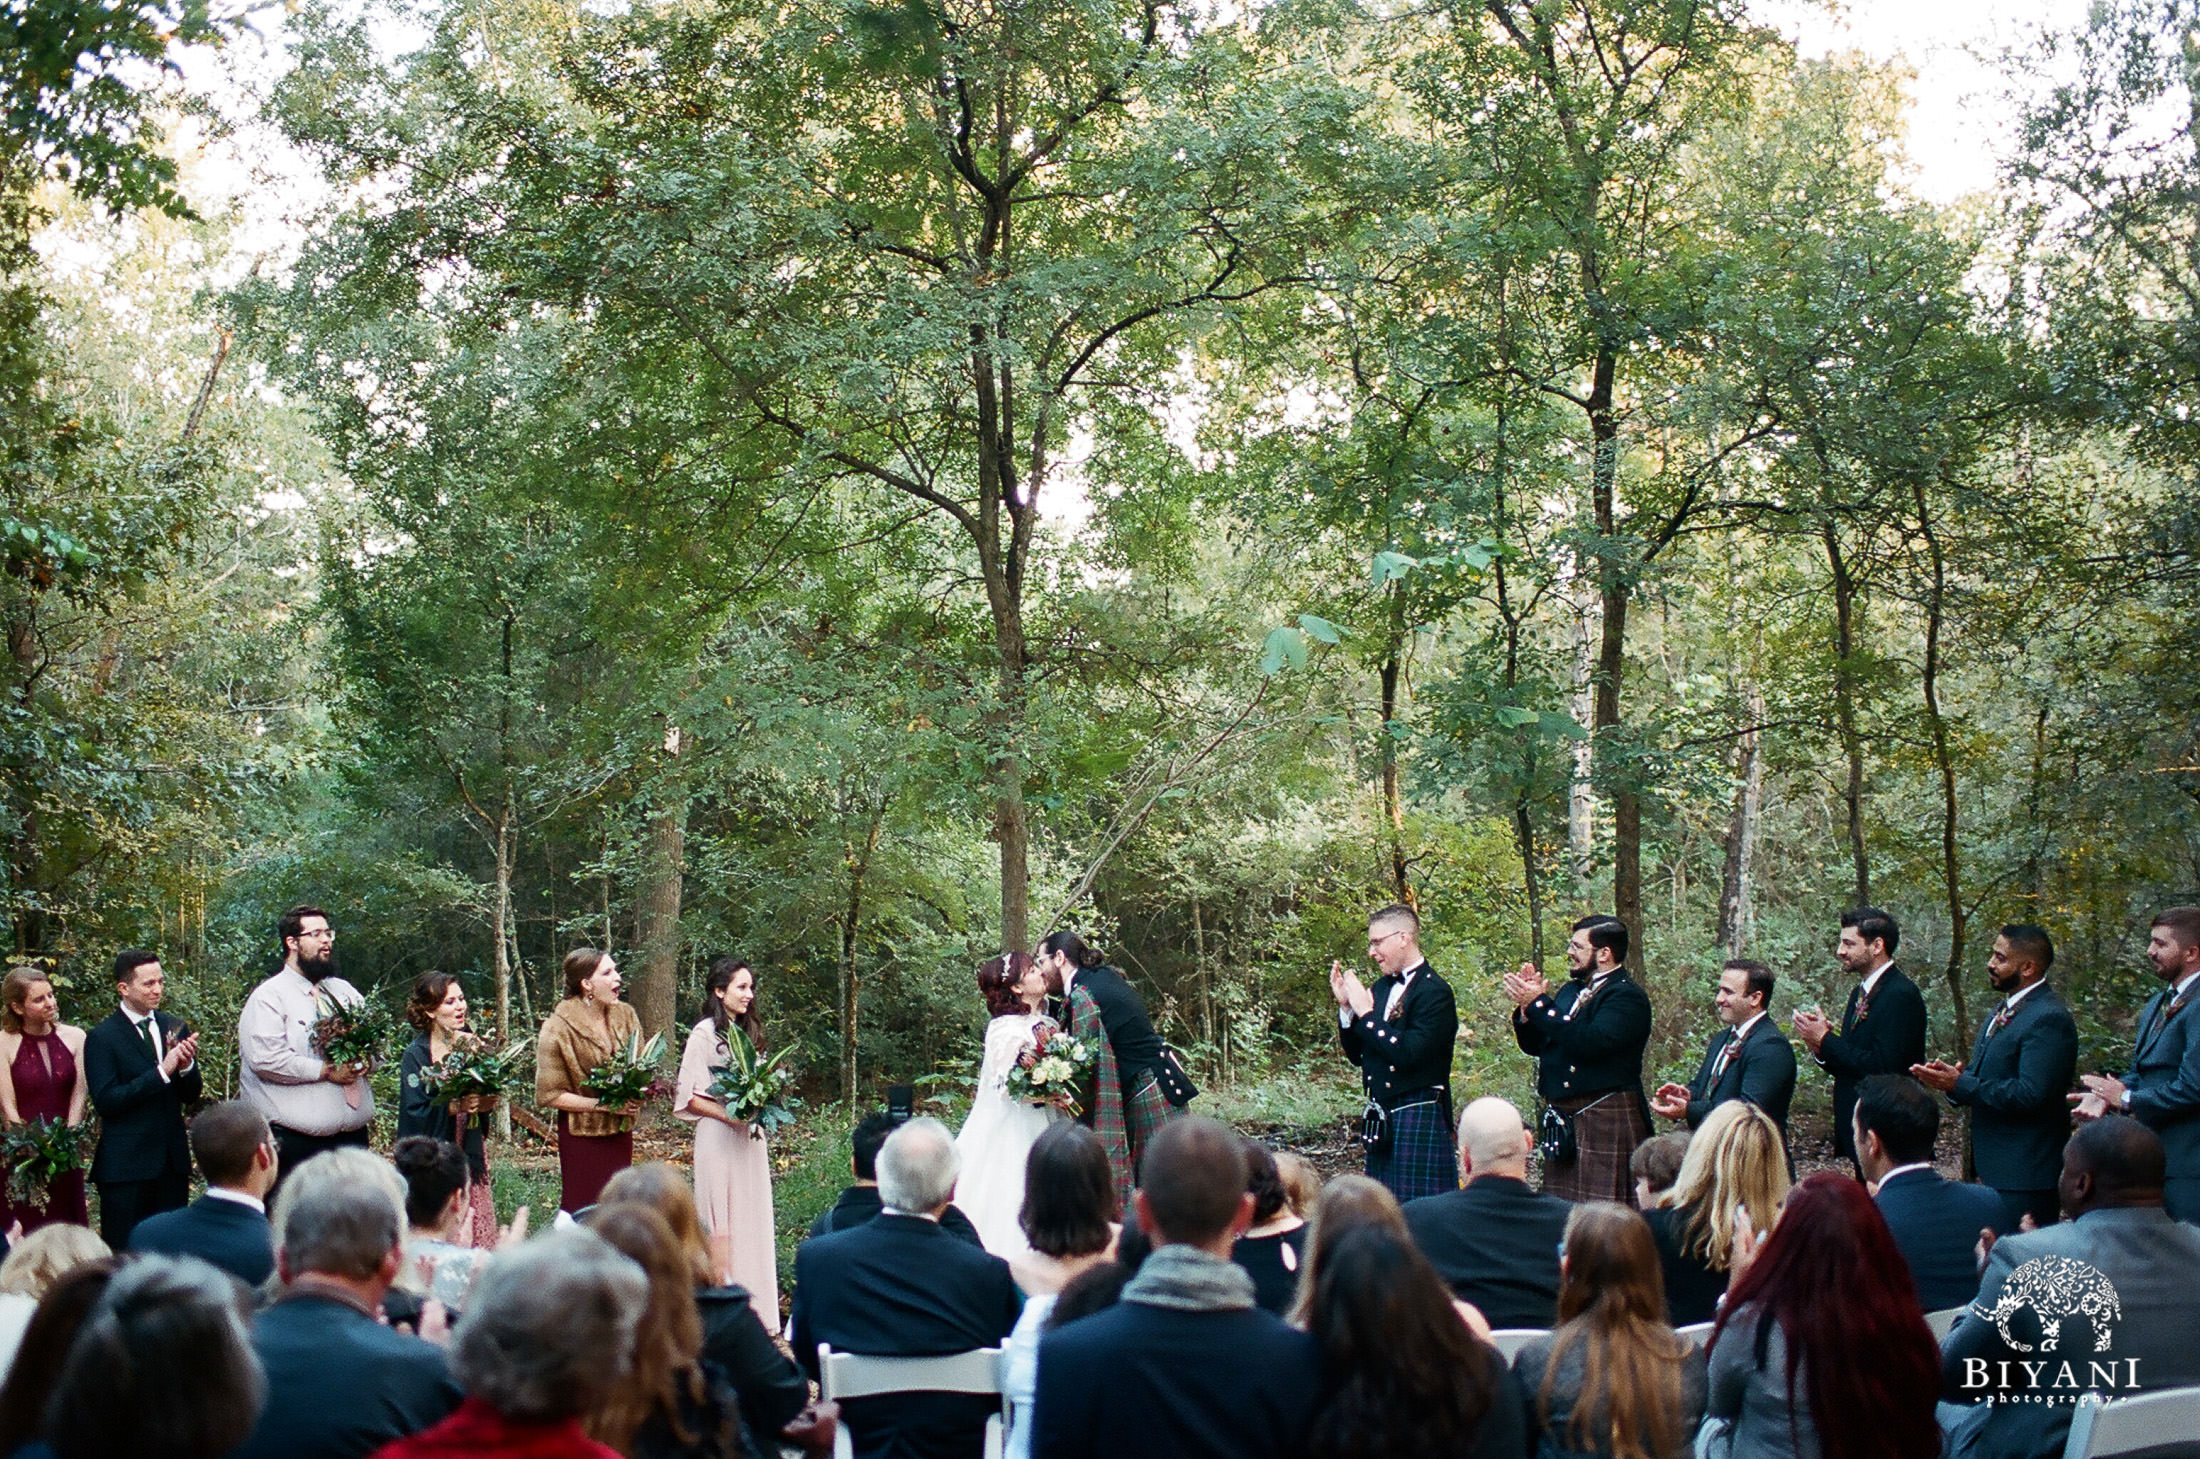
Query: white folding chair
[
  {"x": 858, "y": 1375},
  {"x": 1696, "y": 1334},
  {"x": 1943, "y": 1321},
  {"x": 1510, "y": 1340},
  {"x": 2164, "y": 1423}
]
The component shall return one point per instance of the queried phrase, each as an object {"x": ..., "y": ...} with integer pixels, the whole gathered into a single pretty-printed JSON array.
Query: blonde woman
[
  {"x": 41, "y": 1078},
  {"x": 35, "y": 1263},
  {"x": 1735, "y": 1160}
]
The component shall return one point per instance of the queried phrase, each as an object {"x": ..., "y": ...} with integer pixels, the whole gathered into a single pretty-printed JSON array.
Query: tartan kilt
[
  {"x": 1421, "y": 1160},
  {"x": 1143, "y": 1116},
  {"x": 1607, "y": 1128}
]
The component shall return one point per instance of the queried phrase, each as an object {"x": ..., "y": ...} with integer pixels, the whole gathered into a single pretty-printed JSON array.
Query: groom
[{"x": 1127, "y": 1107}]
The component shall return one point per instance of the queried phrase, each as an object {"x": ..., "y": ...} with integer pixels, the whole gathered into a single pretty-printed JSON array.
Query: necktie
[
  {"x": 149, "y": 1030},
  {"x": 2002, "y": 1016},
  {"x": 1726, "y": 1053}
]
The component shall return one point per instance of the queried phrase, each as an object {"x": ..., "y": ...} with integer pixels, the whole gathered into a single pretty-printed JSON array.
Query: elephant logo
[{"x": 2055, "y": 1287}]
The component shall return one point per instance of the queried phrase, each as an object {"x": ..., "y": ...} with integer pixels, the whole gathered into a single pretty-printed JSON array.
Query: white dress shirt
[
  {"x": 137, "y": 1030},
  {"x": 242, "y": 1198},
  {"x": 282, "y": 1074}
]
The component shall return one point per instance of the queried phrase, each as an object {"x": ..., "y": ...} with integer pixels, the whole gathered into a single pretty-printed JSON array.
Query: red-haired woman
[
  {"x": 997, "y": 1138},
  {"x": 588, "y": 1027},
  {"x": 1822, "y": 1352},
  {"x": 437, "y": 1008}
]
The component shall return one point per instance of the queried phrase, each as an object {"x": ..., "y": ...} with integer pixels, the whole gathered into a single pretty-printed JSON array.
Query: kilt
[
  {"x": 1607, "y": 1128},
  {"x": 1144, "y": 1113},
  {"x": 1421, "y": 1160}
]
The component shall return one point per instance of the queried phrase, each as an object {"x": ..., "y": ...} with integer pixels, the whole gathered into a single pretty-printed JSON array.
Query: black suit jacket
[
  {"x": 232, "y": 1236},
  {"x": 861, "y": 1204},
  {"x": 1888, "y": 1039},
  {"x": 1160, "y": 1383},
  {"x": 900, "y": 1286},
  {"x": 2015, "y": 1086},
  {"x": 1130, "y": 1032},
  {"x": 341, "y": 1385},
  {"x": 141, "y": 1129},
  {"x": 1761, "y": 1071},
  {"x": 1409, "y": 1055},
  {"x": 1936, "y": 1222},
  {"x": 1496, "y": 1243},
  {"x": 1692, "y": 1285},
  {"x": 1596, "y": 1052}
]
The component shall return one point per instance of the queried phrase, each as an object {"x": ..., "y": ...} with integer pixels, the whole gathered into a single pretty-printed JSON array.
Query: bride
[{"x": 1000, "y": 1132}]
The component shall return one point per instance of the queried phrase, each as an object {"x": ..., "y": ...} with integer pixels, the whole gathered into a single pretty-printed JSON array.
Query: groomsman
[
  {"x": 2162, "y": 1091},
  {"x": 2021, "y": 1068},
  {"x": 1883, "y": 1028},
  {"x": 1399, "y": 1034},
  {"x": 1588, "y": 1039},
  {"x": 1749, "y": 1059},
  {"x": 140, "y": 1069}
]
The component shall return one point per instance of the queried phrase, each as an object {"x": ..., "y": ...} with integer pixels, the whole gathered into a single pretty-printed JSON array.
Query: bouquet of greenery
[
  {"x": 1053, "y": 1070},
  {"x": 39, "y": 1153},
  {"x": 753, "y": 1088},
  {"x": 631, "y": 1074},
  {"x": 472, "y": 1069},
  {"x": 360, "y": 1034}
]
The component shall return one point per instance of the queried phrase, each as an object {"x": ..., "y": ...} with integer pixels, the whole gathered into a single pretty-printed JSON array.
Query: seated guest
[
  {"x": 1096, "y": 1288},
  {"x": 1735, "y": 1159},
  {"x": 900, "y": 1285},
  {"x": 45, "y": 1347},
  {"x": 438, "y": 1206},
  {"x": 33, "y": 1265},
  {"x": 227, "y": 1226},
  {"x": 2112, "y": 1175},
  {"x": 1655, "y": 1165},
  {"x": 549, "y": 1331},
  {"x": 1494, "y": 1241},
  {"x": 1346, "y": 1204},
  {"x": 161, "y": 1368},
  {"x": 1184, "y": 1364},
  {"x": 1069, "y": 1214},
  {"x": 670, "y": 1404},
  {"x": 1936, "y": 1221},
  {"x": 340, "y": 1385},
  {"x": 1302, "y": 1183},
  {"x": 771, "y": 1388},
  {"x": 860, "y": 1202},
  {"x": 1270, "y": 1251},
  {"x": 1613, "y": 1381},
  {"x": 1821, "y": 1349},
  {"x": 1403, "y": 1375}
]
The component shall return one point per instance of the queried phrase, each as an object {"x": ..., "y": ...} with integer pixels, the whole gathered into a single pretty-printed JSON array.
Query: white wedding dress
[{"x": 997, "y": 1139}]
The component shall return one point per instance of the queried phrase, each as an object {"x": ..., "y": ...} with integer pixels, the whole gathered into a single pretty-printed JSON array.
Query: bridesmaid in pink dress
[
  {"x": 733, "y": 1172},
  {"x": 41, "y": 1078}
]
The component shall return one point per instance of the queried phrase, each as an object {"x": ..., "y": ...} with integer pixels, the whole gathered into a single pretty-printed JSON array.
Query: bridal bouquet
[
  {"x": 358, "y": 1033},
  {"x": 1052, "y": 1071},
  {"x": 629, "y": 1075},
  {"x": 470, "y": 1069},
  {"x": 753, "y": 1088},
  {"x": 39, "y": 1153}
]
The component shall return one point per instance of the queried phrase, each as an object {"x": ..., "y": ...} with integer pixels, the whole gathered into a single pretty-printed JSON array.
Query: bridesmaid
[
  {"x": 733, "y": 1172},
  {"x": 41, "y": 1078},
  {"x": 437, "y": 1008},
  {"x": 587, "y": 1027}
]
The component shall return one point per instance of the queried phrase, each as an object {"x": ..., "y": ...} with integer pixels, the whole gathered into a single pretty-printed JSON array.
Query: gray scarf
[{"x": 1190, "y": 1280}]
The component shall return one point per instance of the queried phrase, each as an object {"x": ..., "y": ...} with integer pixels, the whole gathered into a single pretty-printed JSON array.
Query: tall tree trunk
[
  {"x": 1613, "y": 591},
  {"x": 1523, "y": 818},
  {"x": 23, "y": 848},
  {"x": 658, "y": 897},
  {"x": 1944, "y": 762},
  {"x": 1741, "y": 833},
  {"x": 501, "y": 955},
  {"x": 858, "y": 865},
  {"x": 1394, "y": 812},
  {"x": 1847, "y": 615},
  {"x": 1581, "y": 795}
]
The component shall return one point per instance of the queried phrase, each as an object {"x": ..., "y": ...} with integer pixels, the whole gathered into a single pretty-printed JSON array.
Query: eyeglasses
[
  {"x": 1375, "y": 942},
  {"x": 320, "y": 934}
]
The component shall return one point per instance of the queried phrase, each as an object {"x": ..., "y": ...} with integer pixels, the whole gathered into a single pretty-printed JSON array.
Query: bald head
[{"x": 1493, "y": 1140}]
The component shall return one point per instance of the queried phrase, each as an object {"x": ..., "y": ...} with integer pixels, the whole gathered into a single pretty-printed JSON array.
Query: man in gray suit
[
  {"x": 2162, "y": 1091},
  {"x": 2119, "y": 1276}
]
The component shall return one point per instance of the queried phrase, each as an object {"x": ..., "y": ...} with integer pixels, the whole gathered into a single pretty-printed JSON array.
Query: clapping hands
[
  {"x": 1351, "y": 994},
  {"x": 1525, "y": 986},
  {"x": 2103, "y": 1096},
  {"x": 1671, "y": 1101}
]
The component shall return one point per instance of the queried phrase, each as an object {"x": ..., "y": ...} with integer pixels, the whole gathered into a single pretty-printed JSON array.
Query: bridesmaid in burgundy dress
[{"x": 41, "y": 1078}]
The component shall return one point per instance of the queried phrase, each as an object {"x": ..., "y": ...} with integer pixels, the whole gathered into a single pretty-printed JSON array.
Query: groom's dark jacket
[{"x": 1130, "y": 1032}]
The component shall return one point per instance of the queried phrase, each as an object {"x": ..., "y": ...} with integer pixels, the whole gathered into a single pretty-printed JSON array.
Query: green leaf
[
  {"x": 1513, "y": 717},
  {"x": 1389, "y": 566},
  {"x": 1286, "y": 647},
  {"x": 1321, "y": 629}
]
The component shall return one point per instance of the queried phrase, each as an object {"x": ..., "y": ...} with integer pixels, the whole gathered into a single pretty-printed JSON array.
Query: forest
[{"x": 864, "y": 483}]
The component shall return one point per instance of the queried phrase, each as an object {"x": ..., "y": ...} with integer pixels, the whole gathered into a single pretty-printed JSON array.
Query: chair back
[
  {"x": 2163, "y": 1425},
  {"x": 861, "y": 1375},
  {"x": 1510, "y": 1340},
  {"x": 1943, "y": 1321},
  {"x": 1696, "y": 1334}
]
